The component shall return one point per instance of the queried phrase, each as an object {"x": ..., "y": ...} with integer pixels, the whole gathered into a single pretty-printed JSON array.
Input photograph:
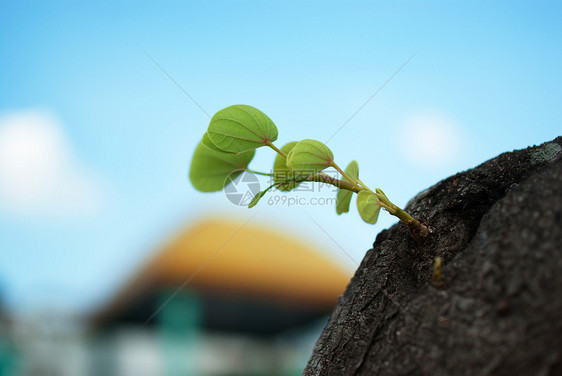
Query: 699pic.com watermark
[
  {"x": 241, "y": 188},
  {"x": 284, "y": 199}
]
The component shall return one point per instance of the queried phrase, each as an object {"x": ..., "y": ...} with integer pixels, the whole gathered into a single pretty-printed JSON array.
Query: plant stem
[
  {"x": 417, "y": 229},
  {"x": 276, "y": 149},
  {"x": 393, "y": 209},
  {"x": 368, "y": 189},
  {"x": 342, "y": 184},
  {"x": 402, "y": 215},
  {"x": 346, "y": 176},
  {"x": 258, "y": 172}
]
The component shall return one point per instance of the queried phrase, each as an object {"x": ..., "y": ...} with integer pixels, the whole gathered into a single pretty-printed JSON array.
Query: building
[{"x": 221, "y": 298}]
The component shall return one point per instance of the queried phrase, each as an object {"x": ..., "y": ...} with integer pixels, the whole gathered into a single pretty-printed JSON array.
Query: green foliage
[
  {"x": 281, "y": 172},
  {"x": 309, "y": 157},
  {"x": 256, "y": 199},
  {"x": 240, "y": 128},
  {"x": 229, "y": 145},
  {"x": 343, "y": 196},
  {"x": 381, "y": 193},
  {"x": 258, "y": 196},
  {"x": 209, "y": 144},
  {"x": 369, "y": 206},
  {"x": 210, "y": 169}
]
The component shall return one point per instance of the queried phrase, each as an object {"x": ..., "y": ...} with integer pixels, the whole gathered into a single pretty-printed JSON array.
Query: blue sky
[{"x": 87, "y": 207}]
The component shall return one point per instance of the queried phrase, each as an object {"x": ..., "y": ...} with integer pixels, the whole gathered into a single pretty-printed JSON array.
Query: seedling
[
  {"x": 437, "y": 276},
  {"x": 228, "y": 146}
]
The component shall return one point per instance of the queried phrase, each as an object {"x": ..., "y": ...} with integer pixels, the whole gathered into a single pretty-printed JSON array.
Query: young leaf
[
  {"x": 380, "y": 192},
  {"x": 343, "y": 197},
  {"x": 256, "y": 199},
  {"x": 240, "y": 128},
  {"x": 258, "y": 196},
  {"x": 368, "y": 206},
  {"x": 210, "y": 169},
  {"x": 309, "y": 156},
  {"x": 352, "y": 170},
  {"x": 280, "y": 170},
  {"x": 209, "y": 144}
]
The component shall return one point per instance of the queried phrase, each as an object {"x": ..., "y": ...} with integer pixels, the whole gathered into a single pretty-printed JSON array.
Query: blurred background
[{"x": 112, "y": 264}]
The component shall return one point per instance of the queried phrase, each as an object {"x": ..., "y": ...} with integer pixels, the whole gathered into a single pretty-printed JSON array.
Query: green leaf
[
  {"x": 258, "y": 196},
  {"x": 209, "y": 144},
  {"x": 210, "y": 169},
  {"x": 309, "y": 156},
  {"x": 256, "y": 199},
  {"x": 343, "y": 197},
  {"x": 352, "y": 170},
  {"x": 380, "y": 192},
  {"x": 368, "y": 206},
  {"x": 281, "y": 172},
  {"x": 240, "y": 128}
]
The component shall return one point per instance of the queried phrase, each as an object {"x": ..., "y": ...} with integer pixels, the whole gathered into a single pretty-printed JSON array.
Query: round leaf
[
  {"x": 368, "y": 206},
  {"x": 206, "y": 141},
  {"x": 240, "y": 128},
  {"x": 210, "y": 169},
  {"x": 309, "y": 156},
  {"x": 343, "y": 197},
  {"x": 281, "y": 172}
]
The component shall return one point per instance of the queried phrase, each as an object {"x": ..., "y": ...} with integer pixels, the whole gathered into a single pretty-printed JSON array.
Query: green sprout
[
  {"x": 437, "y": 276},
  {"x": 228, "y": 146}
]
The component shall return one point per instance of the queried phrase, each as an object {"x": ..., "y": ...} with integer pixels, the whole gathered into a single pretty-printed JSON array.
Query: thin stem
[
  {"x": 349, "y": 178},
  {"x": 276, "y": 149},
  {"x": 259, "y": 173},
  {"x": 418, "y": 230},
  {"x": 365, "y": 186},
  {"x": 403, "y": 215},
  {"x": 393, "y": 209},
  {"x": 342, "y": 184}
]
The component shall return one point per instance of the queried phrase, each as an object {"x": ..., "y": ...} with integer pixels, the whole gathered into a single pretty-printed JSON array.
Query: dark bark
[{"x": 498, "y": 229}]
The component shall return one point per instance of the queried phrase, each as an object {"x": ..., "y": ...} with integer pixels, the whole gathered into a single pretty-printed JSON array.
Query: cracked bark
[{"x": 498, "y": 230}]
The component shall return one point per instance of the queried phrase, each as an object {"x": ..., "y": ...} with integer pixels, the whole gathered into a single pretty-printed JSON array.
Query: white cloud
[
  {"x": 39, "y": 174},
  {"x": 430, "y": 139}
]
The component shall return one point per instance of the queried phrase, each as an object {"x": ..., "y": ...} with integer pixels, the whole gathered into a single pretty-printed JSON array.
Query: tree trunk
[{"x": 497, "y": 309}]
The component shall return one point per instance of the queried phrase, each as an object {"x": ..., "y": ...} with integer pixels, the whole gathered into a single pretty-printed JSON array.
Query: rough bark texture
[{"x": 498, "y": 229}]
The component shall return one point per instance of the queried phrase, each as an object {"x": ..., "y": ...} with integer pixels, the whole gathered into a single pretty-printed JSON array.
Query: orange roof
[
  {"x": 219, "y": 255},
  {"x": 251, "y": 259}
]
